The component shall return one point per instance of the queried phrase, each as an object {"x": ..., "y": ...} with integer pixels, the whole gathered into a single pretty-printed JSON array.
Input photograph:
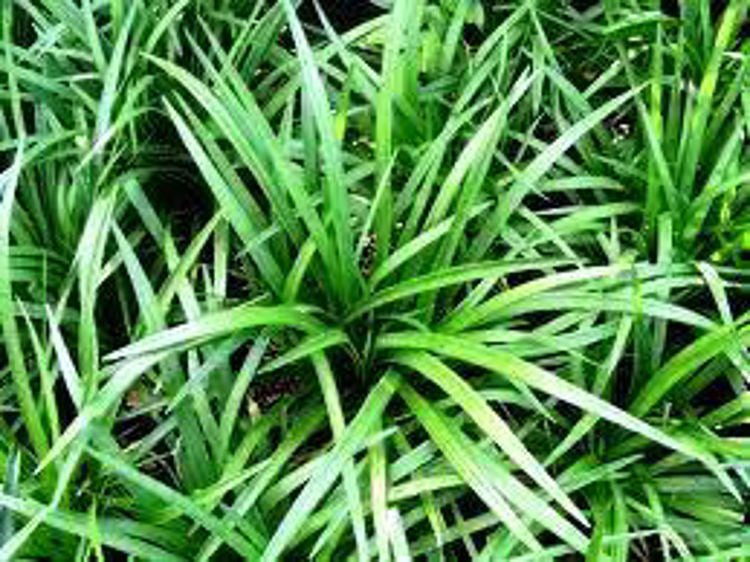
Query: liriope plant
[{"x": 413, "y": 323}]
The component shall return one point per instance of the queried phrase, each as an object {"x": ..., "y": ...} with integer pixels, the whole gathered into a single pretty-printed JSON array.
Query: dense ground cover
[{"x": 432, "y": 280}]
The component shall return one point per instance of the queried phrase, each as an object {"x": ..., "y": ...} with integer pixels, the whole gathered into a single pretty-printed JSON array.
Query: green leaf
[
  {"x": 324, "y": 476},
  {"x": 335, "y": 186},
  {"x": 492, "y": 424},
  {"x": 511, "y": 366},
  {"x": 173, "y": 498},
  {"x": 11, "y": 339},
  {"x": 219, "y": 324},
  {"x": 469, "y": 462}
]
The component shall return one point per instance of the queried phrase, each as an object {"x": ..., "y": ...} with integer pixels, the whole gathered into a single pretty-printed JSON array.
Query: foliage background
[{"x": 410, "y": 280}]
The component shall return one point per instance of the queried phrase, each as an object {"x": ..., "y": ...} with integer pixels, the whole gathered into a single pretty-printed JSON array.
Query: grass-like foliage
[{"x": 441, "y": 280}]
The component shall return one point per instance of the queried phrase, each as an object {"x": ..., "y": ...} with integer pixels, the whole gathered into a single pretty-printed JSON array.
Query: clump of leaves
[{"x": 420, "y": 295}]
